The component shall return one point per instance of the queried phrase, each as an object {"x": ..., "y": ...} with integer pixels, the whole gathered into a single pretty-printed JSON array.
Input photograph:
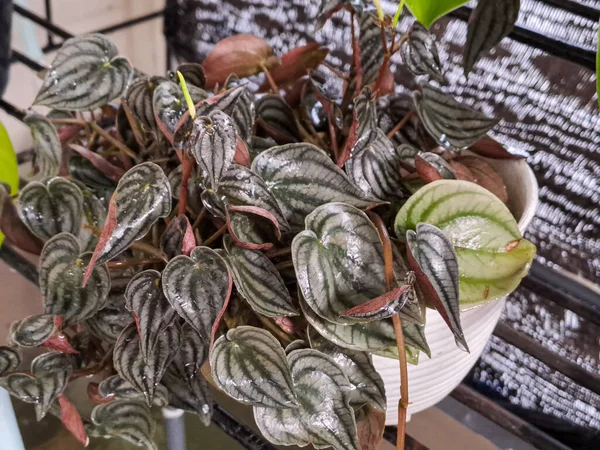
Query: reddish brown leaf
[
  {"x": 370, "y": 425},
  {"x": 462, "y": 172},
  {"x": 377, "y": 303},
  {"x": 109, "y": 225},
  {"x": 94, "y": 395},
  {"x": 72, "y": 420},
  {"x": 215, "y": 327},
  {"x": 287, "y": 325},
  {"x": 350, "y": 141},
  {"x": 427, "y": 173},
  {"x": 490, "y": 148},
  {"x": 485, "y": 176},
  {"x": 296, "y": 63},
  {"x": 255, "y": 210},
  {"x": 60, "y": 342},
  {"x": 189, "y": 241},
  {"x": 16, "y": 232},
  {"x": 242, "y": 155},
  {"x": 243, "y": 55},
  {"x": 113, "y": 173}
]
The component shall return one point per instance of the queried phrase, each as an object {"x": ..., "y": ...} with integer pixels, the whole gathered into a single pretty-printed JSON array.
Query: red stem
[{"x": 188, "y": 166}]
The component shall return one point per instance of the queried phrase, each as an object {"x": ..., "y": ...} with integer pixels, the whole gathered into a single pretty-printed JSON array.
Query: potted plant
[{"x": 276, "y": 242}]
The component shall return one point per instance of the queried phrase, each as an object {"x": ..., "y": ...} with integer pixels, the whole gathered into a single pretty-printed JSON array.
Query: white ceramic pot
[{"x": 433, "y": 379}]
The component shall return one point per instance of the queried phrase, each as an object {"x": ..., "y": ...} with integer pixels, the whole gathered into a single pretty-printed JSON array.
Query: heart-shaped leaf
[
  {"x": 198, "y": 287},
  {"x": 10, "y": 359},
  {"x": 142, "y": 196},
  {"x": 178, "y": 238},
  {"x": 213, "y": 144},
  {"x": 432, "y": 257},
  {"x": 364, "y": 120},
  {"x": 119, "y": 388},
  {"x": 492, "y": 255},
  {"x": 50, "y": 373},
  {"x": 193, "y": 74},
  {"x": 449, "y": 122},
  {"x": 129, "y": 362},
  {"x": 371, "y": 47},
  {"x": 485, "y": 176},
  {"x": 46, "y": 144},
  {"x": 242, "y": 54},
  {"x": 258, "y": 281},
  {"x": 428, "y": 12},
  {"x": 12, "y": 227},
  {"x": 324, "y": 417},
  {"x": 151, "y": 310},
  {"x": 328, "y": 7},
  {"x": 187, "y": 387},
  {"x": 62, "y": 268},
  {"x": 296, "y": 63},
  {"x": 244, "y": 112},
  {"x": 489, "y": 23},
  {"x": 51, "y": 207},
  {"x": 277, "y": 120},
  {"x": 108, "y": 323},
  {"x": 358, "y": 367},
  {"x": 331, "y": 276},
  {"x": 86, "y": 73},
  {"x": 249, "y": 364},
  {"x": 126, "y": 419},
  {"x": 302, "y": 177},
  {"x": 139, "y": 98},
  {"x": 420, "y": 53},
  {"x": 33, "y": 331}
]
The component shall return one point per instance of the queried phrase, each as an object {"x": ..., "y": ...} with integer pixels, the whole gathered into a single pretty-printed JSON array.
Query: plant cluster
[{"x": 267, "y": 241}]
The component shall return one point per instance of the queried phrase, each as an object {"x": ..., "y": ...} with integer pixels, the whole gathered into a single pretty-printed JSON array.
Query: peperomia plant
[{"x": 260, "y": 223}]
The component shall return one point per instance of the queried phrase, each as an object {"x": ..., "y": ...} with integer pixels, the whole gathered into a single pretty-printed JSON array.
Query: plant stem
[
  {"x": 334, "y": 70},
  {"x": 270, "y": 79},
  {"x": 68, "y": 122},
  {"x": 106, "y": 135},
  {"x": 221, "y": 231},
  {"x": 133, "y": 262},
  {"x": 284, "y": 265},
  {"x": 188, "y": 166},
  {"x": 140, "y": 246},
  {"x": 199, "y": 219},
  {"x": 279, "y": 252},
  {"x": 400, "y": 124}
]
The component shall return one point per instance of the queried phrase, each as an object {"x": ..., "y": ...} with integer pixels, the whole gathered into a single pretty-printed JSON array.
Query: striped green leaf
[
  {"x": 178, "y": 238},
  {"x": 33, "y": 331},
  {"x": 258, "y": 281},
  {"x": 62, "y": 269},
  {"x": 151, "y": 310},
  {"x": 489, "y": 23},
  {"x": 244, "y": 113},
  {"x": 277, "y": 120},
  {"x": 108, "y": 323},
  {"x": 193, "y": 74},
  {"x": 451, "y": 123},
  {"x": 139, "y": 97},
  {"x": 338, "y": 261},
  {"x": 371, "y": 47},
  {"x": 198, "y": 287},
  {"x": 46, "y": 144},
  {"x": 83, "y": 171},
  {"x": 94, "y": 213},
  {"x": 50, "y": 373},
  {"x": 249, "y": 364},
  {"x": 358, "y": 367},
  {"x": 187, "y": 387},
  {"x": 492, "y": 254},
  {"x": 364, "y": 120},
  {"x": 432, "y": 257},
  {"x": 213, "y": 142},
  {"x": 259, "y": 144},
  {"x": 10, "y": 359},
  {"x": 129, "y": 420},
  {"x": 302, "y": 177},
  {"x": 328, "y": 7},
  {"x": 115, "y": 387},
  {"x": 145, "y": 374},
  {"x": 414, "y": 336},
  {"x": 195, "y": 187},
  {"x": 420, "y": 53},
  {"x": 51, "y": 207},
  {"x": 324, "y": 417},
  {"x": 168, "y": 103},
  {"x": 142, "y": 197},
  {"x": 85, "y": 73}
]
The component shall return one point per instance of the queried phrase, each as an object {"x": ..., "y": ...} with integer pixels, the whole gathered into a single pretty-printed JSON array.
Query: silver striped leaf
[
  {"x": 366, "y": 336},
  {"x": 358, "y": 367},
  {"x": 46, "y": 144},
  {"x": 129, "y": 362},
  {"x": 83, "y": 171},
  {"x": 213, "y": 143},
  {"x": 198, "y": 287},
  {"x": 371, "y": 47},
  {"x": 178, "y": 238},
  {"x": 186, "y": 385},
  {"x": 333, "y": 277},
  {"x": 253, "y": 227},
  {"x": 440, "y": 166},
  {"x": 258, "y": 145},
  {"x": 142, "y": 197},
  {"x": 298, "y": 344},
  {"x": 139, "y": 97},
  {"x": 195, "y": 187},
  {"x": 302, "y": 177},
  {"x": 258, "y": 281},
  {"x": 374, "y": 166},
  {"x": 432, "y": 257},
  {"x": 324, "y": 418},
  {"x": 420, "y": 53},
  {"x": 193, "y": 74},
  {"x": 33, "y": 331},
  {"x": 50, "y": 373},
  {"x": 492, "y": 254},
  {"x": 451, "y": 123},
  {"x": 85, "y": 73},
  {"x": 10, "y": 359},
  {"x": 249, "y": 365},
  {"x": 225, "y": 102},
  {"x": 108, "y": 323},
  {"x": 275, "y": 117},
  {"x": 52, "y": 207},
  {"x": 489, "y": 23},
  {"x": 244, "y": 112},
  {"x": 407, "y": 154},
  {"x": 129, "y": 420},
  {"x": 151, "y": 310},
  {"x": 115, "y": 387},
  {"x": 364, "y": 119},
  {"x": 94, "y": 214},
  {"x": 62, "y": 269},
  {"x": 328, "y": 7},
  {"x": 414, "y": 336}
]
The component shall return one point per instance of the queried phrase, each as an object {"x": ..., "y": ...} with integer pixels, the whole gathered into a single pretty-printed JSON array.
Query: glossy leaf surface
[
  {"x": 178, "y": 238},
  {"x": 10, "y": 359},
  {"x": 46, "y": 144},
  {"x": 115, "y": 387},
  {"x": 428, "y": 12},
  {"x": 420, "y": 53},
  {"x": 277, "y": 119}
]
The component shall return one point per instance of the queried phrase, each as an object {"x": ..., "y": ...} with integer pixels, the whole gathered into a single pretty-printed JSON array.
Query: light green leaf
[
  {"x": 428, "y": 11},
  {"x": 492, "y": 254},
  {"x": 9, "y": 169}
]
